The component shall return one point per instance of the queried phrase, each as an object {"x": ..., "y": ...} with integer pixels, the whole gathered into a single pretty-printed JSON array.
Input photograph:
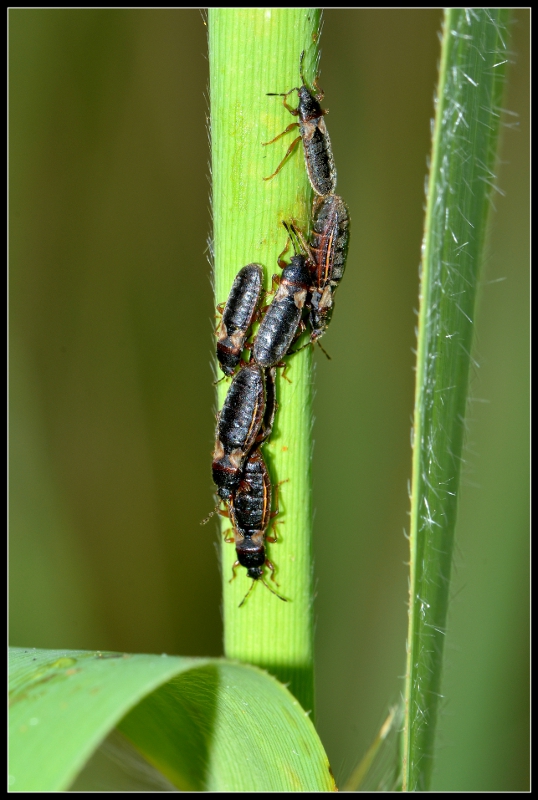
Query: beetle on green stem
[
  {"x": 318, "y": 152},
  {"x": 238, "y": 315},
  {"x": 250, "y": 515}
]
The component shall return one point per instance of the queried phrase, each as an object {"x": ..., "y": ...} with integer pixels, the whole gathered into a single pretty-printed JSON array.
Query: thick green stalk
[
  {"x": 253, "y": 52},
  {"x": 462, "y": 176}
]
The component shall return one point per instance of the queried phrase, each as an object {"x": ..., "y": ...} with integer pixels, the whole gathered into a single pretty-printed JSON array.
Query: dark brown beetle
[
  {"x": 313, "y": 131},
  {"x": 329, "y": 244},
  {"x": 238, "y": 427},
  {"x": 327, "y": 254},
  {"x": 250, "y": 515},
  {"x": 238, "y": 315},
  {"x": 282, "y": 320},
  {"x": 221, "y": 463}
]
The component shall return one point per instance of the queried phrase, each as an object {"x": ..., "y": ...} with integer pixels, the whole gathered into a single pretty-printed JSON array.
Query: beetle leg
[
  {"x": 277, "y": 487},
  {"x": 273, "y": 538},
  {"x": 275, "y": 282},
  {"x": 301, "y": 327},
  {"x": 227, "y": 538},
  {"x": 266, "y": 431},
  {"x": 280, "y": 261},
  {"x": 234, "y": 567},
  {"x": 294, "y": 111},
  {"x": 285, "y": 365},
  {"x": 272, "y": 568},
  {"x": 317, "y": 341},
  {"x": 292, "y": 146},
  {"x": 275, "y": 513},
  {"x": 290, "y": 127}
]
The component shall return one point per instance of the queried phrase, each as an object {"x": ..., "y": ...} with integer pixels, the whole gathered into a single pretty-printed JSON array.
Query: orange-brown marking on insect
[
  {"x": 255, "y": 420},
  {"x": 266, "y": 501},
  {"x": 299, "y": 298},
  {"x": 281, "y": 293},
  {"x": 236, "y": 457},
  {"x": 326, "y": 298},
  {"x": 222, "y": 332},
  {"x": 237, "y": 339},
  {"x": 329, "y": 254}
]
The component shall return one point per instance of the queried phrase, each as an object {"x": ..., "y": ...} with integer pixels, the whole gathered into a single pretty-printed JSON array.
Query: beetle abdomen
[
  {"x": 276, "y": 331},
  {"x": 318, "y": 155},
  {"x": 238, "y": 316}
]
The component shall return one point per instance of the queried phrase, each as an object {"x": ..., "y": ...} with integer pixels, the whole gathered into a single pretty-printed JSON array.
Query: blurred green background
[{"x": 112, "y": 403}]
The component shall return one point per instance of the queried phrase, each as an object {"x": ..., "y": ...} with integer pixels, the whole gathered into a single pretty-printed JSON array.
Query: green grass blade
[
  {"x": 462, "y": 178},
  {"x": 204, "y": 723},
  {"x": 253, "y": 52},
  {"x": 357, "y": 779}
]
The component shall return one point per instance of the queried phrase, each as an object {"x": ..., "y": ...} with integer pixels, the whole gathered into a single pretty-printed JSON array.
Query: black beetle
[
  {"x": 313, "y": 131},
  {"x": 238, "y": 427},
  {"x": 238, "y": 315},
  {"x": 250, "y": 514},
  {"x": 282, "y": 320},
  {"x": 329, "y": 244}
]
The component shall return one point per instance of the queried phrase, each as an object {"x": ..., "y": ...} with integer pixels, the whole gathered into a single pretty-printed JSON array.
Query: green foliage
[
  {"x": 206, "y": 724},
  {"x": 253, "y": 52},
  {"x": 462, "y": 177}
]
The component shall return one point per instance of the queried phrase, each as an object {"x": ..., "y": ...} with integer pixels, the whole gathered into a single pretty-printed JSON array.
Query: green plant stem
[
  {"x": 254, "y": 52},
  {"x": 356, "y": 780},
  {"x": 474, "y": 55}
]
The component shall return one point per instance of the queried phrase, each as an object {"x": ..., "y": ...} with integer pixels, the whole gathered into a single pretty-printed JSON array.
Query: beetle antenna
[
  {"x": 273, "y": 591},
  {"x": 301, "y": 68},
  {"x": 311, "y": 341},
  {"x": 203, "y": 522},
  {"x": 323, "y": 349},
  {"x": 302, "y": 347},
  {"x": 292, "y": 233},
  {"x": 300, "y": 238},
  {"x": 247, "y": 594},
  {"x": 266, "y": 586},
  {"x": 282, "y": 94}
]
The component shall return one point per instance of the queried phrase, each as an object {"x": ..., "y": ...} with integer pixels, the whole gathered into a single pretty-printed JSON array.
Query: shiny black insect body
[
  {"x": 238, "y": 427},
  {"x": 271, "y": 405},
  {"x": 328, "y": 247},
  {"x": 313, "y": 131},
  {"x": 238, "y": 315},
  {"x": 250, "y": 514},
  {"x": 282, "y": 319}
]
